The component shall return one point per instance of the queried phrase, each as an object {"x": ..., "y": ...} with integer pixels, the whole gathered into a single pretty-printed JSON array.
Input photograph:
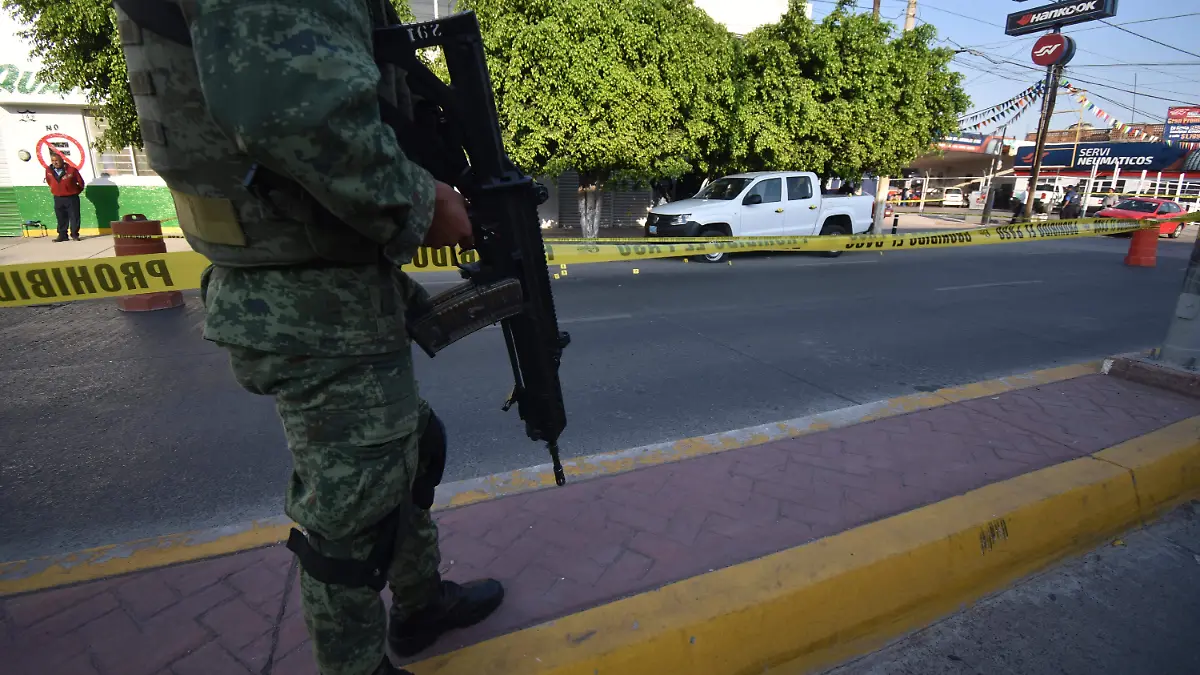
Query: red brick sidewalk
[{"x": 563, "y": 550}]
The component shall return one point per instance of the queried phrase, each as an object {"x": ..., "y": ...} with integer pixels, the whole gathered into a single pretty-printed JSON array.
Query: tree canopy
[
  {"x": 619, "y": 89},
  {"x": 843, "y": 97}
]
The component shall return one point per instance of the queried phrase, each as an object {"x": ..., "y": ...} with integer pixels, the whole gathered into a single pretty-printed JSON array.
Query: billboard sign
[
  {"x": 980, "y": 143},
  {"x": 1046, "y": 17},
  {"x": 1183, "y": 124},
  {"x": 1106, "y": 156}
]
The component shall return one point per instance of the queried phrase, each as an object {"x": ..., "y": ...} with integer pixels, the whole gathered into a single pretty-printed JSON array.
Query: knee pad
[{"x": 431, "y": 449}]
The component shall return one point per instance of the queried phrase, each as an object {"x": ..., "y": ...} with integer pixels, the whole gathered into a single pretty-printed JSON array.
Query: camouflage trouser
[{"x": 352, "y": 424}]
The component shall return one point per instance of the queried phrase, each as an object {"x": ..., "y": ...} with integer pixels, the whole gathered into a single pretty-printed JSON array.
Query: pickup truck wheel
[
  {"x": 713, "y": 257},
  {"x": 833, "y": 230},
  {"x": 1178, "y": 231}
]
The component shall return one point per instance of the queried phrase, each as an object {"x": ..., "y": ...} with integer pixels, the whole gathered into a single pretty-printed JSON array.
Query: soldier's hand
[{"x": 451, "y": 226}]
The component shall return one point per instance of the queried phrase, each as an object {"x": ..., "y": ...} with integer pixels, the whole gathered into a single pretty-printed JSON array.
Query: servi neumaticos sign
[{"x": 1059, "y": 14}]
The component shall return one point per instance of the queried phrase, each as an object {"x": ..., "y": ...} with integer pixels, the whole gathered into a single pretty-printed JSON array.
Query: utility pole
[
  {"x": 1181, "y": 349},
  {"x": 1053, "y": 73},
  {"x": 1133, "y": 110},
  {"x": 884, "y": 184}
]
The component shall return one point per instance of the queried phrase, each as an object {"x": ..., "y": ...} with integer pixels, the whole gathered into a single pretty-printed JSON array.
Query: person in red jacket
[{"x": 65, "y": 184}]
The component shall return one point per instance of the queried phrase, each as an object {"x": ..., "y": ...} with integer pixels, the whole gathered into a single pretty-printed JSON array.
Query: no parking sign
[{"x": 70, "y": 149}]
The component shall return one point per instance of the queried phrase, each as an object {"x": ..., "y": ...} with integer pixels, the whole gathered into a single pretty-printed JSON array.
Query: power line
[
  {"x": 1073, "y": 77},
  {"x": 1184, "y": 51},
  {"x": 1086, "y": 29},
  {"x": 926, "y": 5},
  {"x": 1130, "y": 23},
  {"x": 1185, "y": 64}
]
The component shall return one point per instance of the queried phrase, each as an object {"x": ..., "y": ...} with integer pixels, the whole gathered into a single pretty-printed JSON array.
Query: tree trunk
[{"x": 589, "y": 206}]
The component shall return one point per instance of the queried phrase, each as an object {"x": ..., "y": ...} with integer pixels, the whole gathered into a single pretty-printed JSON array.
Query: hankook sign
[{"x": 1059, "y": 14}]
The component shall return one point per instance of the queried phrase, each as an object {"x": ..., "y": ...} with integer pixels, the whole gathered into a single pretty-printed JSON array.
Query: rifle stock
[{"x": 456, "y": 137}]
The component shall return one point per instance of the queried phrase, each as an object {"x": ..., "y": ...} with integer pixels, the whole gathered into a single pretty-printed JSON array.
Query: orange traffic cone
[{"x": 1143, "y": 248}]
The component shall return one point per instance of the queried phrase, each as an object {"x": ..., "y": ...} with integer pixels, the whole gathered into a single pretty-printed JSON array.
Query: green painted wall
[{"x": 99, "y": 204}]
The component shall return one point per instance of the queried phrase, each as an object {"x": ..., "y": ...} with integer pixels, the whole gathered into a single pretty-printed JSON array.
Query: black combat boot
[{"x": 457, "y": 606}]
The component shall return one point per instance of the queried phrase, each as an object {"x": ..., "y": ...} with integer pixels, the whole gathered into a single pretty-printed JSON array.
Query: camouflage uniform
[{"x": 311, "y": 315}]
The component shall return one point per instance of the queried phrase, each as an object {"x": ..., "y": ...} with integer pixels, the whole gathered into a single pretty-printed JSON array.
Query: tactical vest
[{"x": 231, "y": 220}]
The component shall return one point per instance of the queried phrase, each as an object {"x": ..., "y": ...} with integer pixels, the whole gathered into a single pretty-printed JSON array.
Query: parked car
[
  {"x": 953, "y": 197},
  {"x": 1050, "y": 195},
  {"x": 762, "y": 204},
  {"x": 1148, "y": 208}
]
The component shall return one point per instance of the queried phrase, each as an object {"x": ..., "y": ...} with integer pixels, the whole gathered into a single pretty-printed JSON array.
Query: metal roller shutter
[{"x": 10, "y": 215}]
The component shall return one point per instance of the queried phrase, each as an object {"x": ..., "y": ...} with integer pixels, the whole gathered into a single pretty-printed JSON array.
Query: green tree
[
  {"x": 621, "y": 90},
  {"x": 845, "y": 96},
  {"x": 78, "y": 44}
]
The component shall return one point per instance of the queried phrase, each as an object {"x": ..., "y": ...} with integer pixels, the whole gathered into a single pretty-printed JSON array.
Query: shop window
[{"x": 123, "y": 162}]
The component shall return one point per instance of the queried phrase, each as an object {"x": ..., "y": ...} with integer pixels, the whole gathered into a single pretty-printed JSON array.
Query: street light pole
[{"x": 910, "y": 16}]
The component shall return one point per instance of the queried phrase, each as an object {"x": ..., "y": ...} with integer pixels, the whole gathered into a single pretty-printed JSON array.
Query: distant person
[
  {"x": 1070, "y": 207},
  {"x": 1110, "y": 199},
  {"x": 66, "y": 185}
]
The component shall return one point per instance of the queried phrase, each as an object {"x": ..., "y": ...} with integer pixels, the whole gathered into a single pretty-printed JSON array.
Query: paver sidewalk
[{"x": 567, "y": 549}]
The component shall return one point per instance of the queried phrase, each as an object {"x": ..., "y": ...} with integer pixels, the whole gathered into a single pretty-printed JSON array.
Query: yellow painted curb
[
  {"x": 24, "y": 576},
  {"x": 819, "y": 604},
  {"x": 1165, "y": 465}
]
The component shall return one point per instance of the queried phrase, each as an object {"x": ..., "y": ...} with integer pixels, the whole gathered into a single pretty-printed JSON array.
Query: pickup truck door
[
  {"x": 763, "y": 209},
  {"x": 802, "y": 208}
]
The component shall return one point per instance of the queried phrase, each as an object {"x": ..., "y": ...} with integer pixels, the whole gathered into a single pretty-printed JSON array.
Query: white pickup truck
[{"x": 762, "y": 204}]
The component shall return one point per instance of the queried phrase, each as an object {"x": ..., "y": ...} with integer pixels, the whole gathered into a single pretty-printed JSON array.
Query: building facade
[{"x": 35, "y": 117}]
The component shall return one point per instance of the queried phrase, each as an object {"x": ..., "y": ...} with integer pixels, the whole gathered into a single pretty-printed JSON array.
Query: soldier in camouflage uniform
[{"x": 311, "y": 309}]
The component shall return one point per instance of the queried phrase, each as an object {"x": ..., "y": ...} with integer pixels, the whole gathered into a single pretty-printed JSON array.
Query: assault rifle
[{"x": 457, "y": 138}]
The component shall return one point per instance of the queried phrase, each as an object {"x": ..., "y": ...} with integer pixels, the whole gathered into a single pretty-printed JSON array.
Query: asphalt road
[
  {"x": 1131, "y": 607},
  {"x": 115, "y": 427}
]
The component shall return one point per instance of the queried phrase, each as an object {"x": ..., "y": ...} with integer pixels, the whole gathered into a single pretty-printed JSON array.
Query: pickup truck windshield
[
  {"x": 1136, "y": 205},
  {"x": 724, "y": 188}
]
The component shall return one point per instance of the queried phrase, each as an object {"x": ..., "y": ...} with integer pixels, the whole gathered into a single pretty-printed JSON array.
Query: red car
[{"x": 1148, "y": 208}]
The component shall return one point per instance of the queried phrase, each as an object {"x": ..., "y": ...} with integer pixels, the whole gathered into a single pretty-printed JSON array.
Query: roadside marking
[
  {"x": 995, "y": 285},
  {"x": 22, "y": 576},
  {"x": 591, "y": 319},
  {"x": 582, "y": 319},
  {"x": 810, "y": 607}
]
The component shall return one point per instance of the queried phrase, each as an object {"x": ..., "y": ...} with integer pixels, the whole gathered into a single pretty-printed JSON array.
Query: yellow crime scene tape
[{"x": 94, "y": 278}]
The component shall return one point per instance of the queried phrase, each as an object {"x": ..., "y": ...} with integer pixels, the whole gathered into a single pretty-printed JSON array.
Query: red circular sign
[
  {"x": 70, "y": 149},
  {"x": 1053, "y": 49}
]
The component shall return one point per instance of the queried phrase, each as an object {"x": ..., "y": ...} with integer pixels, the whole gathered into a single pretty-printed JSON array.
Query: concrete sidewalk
[{"x": 564, "y": 550}]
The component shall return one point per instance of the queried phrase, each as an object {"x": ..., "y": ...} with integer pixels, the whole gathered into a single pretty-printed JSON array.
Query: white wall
[
  {"x": 33, "y": 129},
  {"x": 743, "y": 16},
  {"x": 19, "y": 69}
]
